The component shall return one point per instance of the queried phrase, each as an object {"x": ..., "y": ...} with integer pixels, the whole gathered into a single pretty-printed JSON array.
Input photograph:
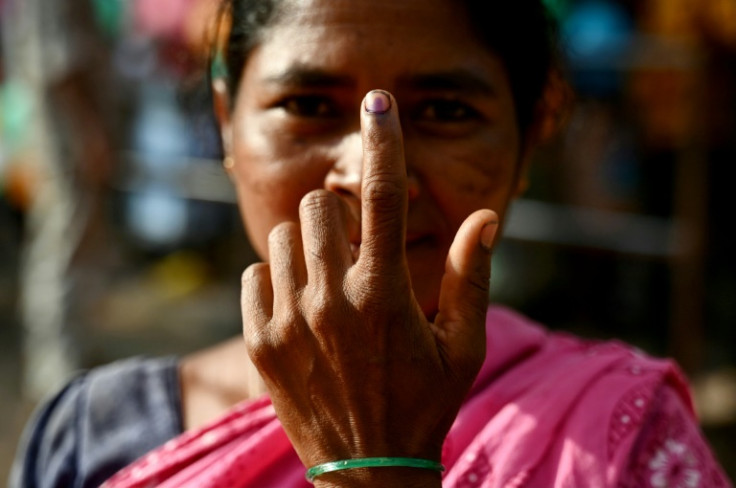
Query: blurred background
[{"x": 119, "y": 235}]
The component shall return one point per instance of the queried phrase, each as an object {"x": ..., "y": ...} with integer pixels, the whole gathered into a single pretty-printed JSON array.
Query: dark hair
[
  {"x": 241, "y": 22},
  {"x": 524, "y": 35},
  {"x": 521, "y": 32}
]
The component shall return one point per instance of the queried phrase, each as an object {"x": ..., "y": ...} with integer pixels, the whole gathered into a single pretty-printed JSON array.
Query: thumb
[{"x": 460, "y": 322}]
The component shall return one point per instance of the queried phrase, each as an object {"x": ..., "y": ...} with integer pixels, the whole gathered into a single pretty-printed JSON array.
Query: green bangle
[{"x": 375, "y": 462}]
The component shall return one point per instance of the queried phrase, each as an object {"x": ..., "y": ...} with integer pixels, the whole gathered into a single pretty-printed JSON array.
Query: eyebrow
[
  {"x": 454, "y": 80},
  {"x": 301, "y": 76},
  {"x": 306, "y": 77}
]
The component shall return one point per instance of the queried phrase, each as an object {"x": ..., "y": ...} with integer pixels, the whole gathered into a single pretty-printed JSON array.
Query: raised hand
[{"x": 353, "y": 366}]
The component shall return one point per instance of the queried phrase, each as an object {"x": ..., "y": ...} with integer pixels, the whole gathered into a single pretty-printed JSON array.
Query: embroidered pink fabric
[{"x": 546, "y": 410}]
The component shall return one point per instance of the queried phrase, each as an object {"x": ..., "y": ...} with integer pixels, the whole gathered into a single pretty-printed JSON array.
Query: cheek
[
  {"x": 461, "y": 178},
  {"x": 271, "y": 176},
  {"x": 263, "y": 204}
]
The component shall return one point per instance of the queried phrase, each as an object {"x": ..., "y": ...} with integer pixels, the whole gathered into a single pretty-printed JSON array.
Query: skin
[
  {"x": 453, "y": 168},
  {"x": 366, "y": 319}
]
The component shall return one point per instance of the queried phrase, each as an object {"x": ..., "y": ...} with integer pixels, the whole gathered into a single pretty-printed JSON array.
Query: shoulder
[
  {"x": 570, "y": 411},
  {"x": 99, "y": 422},
  {"x": 650, "y": 435},
  {"x": 669, "y": 448}
]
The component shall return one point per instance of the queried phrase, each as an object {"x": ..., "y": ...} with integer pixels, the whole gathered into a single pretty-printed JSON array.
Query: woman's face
[{"x": 295, "y": 124}]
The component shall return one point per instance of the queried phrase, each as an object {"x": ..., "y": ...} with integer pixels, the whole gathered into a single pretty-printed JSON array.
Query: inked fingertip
[{"x": 377, "y": 102}]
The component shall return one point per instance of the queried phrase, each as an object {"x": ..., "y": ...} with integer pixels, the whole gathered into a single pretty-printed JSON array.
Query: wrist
[
  {"x": 385, "y": 477},
  {"x": 377, "y": 471}
]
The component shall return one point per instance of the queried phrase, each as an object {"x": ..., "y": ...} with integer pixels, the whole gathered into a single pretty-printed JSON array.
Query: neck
[{"x": 214, "y": 380}]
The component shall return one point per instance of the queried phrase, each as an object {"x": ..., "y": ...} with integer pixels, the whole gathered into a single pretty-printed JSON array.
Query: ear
[
  {"x": 554, "y": 109},
  {"x": 221, "y": 106},
  {"x": 529, "y": 144},
  {"x": 522, "y": 177},
  {"x": 551, "y": 115}
]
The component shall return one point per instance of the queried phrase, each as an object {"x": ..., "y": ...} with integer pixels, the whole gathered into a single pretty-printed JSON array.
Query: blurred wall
[{"x": 113, "y": 197}]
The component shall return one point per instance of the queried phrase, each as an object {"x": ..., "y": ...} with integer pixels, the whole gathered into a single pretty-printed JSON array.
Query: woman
[{"x": 375, "y": 147}]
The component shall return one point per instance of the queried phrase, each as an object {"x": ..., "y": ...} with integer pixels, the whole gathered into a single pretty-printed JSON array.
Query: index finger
[{"x": 384, "y": 183}]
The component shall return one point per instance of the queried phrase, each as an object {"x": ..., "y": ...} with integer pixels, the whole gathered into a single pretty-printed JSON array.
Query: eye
[
  {"x": 445, "y": 111},
  {"x": 309, "y": 106}
]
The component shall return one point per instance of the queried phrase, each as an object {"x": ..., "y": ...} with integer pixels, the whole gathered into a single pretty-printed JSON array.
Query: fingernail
[
  {"x": 487, "y": 234},
  {"x": 377, "y": 102}
]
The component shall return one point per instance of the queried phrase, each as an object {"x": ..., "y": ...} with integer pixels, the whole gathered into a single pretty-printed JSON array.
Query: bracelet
[{"x": 375, "y": 462}]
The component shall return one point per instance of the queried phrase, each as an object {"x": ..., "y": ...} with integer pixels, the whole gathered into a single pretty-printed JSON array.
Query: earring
[{"x": 228, "y": 162}]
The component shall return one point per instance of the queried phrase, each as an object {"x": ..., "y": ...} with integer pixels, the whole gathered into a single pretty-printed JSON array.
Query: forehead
[
  {"x": 377, "y": 35},
  {"x": 376, "y": 15}
]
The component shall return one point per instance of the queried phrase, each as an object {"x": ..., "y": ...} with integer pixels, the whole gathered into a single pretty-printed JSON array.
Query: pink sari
[{"x": 547, "y": 410}]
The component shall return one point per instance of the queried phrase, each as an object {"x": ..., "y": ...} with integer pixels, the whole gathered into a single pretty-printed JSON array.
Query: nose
[{"x": 345, "y": 176}]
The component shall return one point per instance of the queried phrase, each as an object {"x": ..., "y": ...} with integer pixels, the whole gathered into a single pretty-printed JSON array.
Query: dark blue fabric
[{"x": 98, "y": 423}]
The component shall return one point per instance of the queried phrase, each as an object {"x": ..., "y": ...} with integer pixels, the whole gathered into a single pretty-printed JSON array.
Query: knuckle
[
  {"x": 318, "y": 313},
  {"x": 481, "y": 276},
  {"x": 316, "y": 203},
  {"x": 286, "y": 334},
  {"x": 367, "y": 299},
  {"x": 373, "y": 288},
  {"x": 282, "y": 232},
  {"x": 480, "y": 282},
  {"x": 255, "y": 342},
  {"x": 325, "y": 314},
  {"x": 287, "y": 317},
  {"x": 275, "y": 338},
  {"x": 253, "y": 275},
  {"x": 384, "y": 192},
  {"x": 261, "y": 353},
  {"x": 258, "y": 339}
]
